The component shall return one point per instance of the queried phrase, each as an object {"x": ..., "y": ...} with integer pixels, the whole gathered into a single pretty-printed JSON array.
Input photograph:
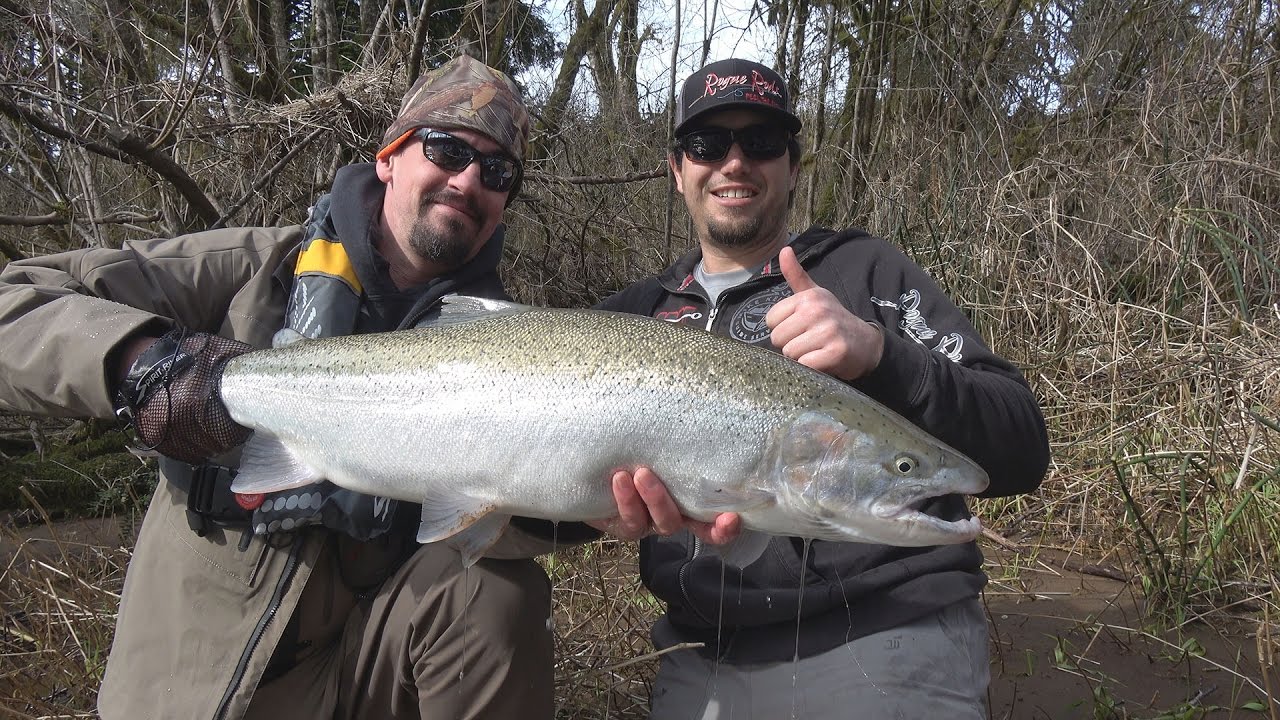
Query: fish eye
[{"x": 904, "y": 464}]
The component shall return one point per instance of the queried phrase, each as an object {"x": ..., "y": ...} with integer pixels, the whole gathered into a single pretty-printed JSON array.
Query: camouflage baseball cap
[{"x": 463, "y": 93}]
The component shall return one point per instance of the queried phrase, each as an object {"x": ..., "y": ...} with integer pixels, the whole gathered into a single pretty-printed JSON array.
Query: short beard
[
  {"x": 736, "y": 235},
  {"x": 448, "y": 246}
]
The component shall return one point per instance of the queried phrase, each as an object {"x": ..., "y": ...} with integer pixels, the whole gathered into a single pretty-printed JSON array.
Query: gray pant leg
[{"x": 934, "y": 667}]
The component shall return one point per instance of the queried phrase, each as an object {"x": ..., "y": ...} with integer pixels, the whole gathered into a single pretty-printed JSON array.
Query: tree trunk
[
  {"x": 980, "y": 77},
  {"x": 324, "y": 62},
  {"x": 584, "y": 36},
  {"x": 629, "y": 46},
  {"x": 221, "y": 29},
  {"x": 791, "y": 69},
  {"x": 494, "y": 31},
  {"x": 820, "y": 116}
]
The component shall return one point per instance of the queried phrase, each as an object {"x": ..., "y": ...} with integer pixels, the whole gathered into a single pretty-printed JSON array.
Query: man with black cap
[
  {"x": 821, "y": 629},
  {"x": 238, "y": 606}
]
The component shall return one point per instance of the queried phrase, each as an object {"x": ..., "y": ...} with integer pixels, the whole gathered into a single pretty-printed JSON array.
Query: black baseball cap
[{"x": 734, "y": 83}]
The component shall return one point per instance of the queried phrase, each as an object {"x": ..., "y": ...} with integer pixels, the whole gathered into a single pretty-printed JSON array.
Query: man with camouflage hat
[{"x": 320, "y": 604}]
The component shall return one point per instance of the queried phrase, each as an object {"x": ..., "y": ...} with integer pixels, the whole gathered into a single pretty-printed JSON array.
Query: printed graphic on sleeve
[{"x": 917, "y": 327}]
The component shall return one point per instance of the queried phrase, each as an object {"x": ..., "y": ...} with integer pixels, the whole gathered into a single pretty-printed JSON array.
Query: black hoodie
[{"x": 936, "y": 371}]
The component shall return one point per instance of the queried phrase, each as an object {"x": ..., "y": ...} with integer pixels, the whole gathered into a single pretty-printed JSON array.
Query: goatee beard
[
  {"x": 736, "y": 235},
  {"x": 450, "y": 245}
]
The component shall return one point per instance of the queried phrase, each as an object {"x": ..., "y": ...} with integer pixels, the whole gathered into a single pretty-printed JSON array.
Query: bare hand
[
  {"x": 645, "y": 507},
  {"x": 814, "y": 329}
]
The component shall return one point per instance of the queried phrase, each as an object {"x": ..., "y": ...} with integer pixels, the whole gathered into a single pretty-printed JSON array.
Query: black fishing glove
[{"x": 170, "y": 396}]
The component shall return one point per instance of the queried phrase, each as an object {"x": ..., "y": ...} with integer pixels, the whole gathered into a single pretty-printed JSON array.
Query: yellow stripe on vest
[{"x": 329, "y": 258}]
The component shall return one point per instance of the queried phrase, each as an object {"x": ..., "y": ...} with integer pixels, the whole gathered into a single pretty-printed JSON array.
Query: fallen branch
[
  {"x": 125, "y": 147},
  {"x": 652, "y": 655}
]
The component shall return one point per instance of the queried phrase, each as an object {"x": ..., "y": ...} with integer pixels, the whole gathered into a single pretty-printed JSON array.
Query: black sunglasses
[
  {"x": 758, "y": 142},
  {"x": 498, "y": 171}
]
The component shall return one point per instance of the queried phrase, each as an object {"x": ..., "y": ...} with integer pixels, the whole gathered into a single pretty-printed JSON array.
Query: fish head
[{"x": 868, "y": 475}]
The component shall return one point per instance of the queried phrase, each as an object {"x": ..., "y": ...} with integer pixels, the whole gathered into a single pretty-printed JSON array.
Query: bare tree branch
[
  {"x": 268, "y": 176},
  {"x": 600, "y": 179},
  {"x": 125, "y": 147},
  {"x": 53, "y": 218}
]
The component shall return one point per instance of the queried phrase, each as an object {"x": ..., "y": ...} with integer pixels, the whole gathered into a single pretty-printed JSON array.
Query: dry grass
[
  {"x": 59, "y": 599},
  {"x": 59, "y": 594}
]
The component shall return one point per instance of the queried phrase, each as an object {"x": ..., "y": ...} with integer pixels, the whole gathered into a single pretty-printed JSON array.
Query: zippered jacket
[
  {"x": 200, "y": 617},
  {"x": 936, "y": 371}
]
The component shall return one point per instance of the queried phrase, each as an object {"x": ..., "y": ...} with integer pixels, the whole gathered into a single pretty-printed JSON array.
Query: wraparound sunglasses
[
  {"x": 498, "y": 171},
  {"x": 711, "y": 144}
]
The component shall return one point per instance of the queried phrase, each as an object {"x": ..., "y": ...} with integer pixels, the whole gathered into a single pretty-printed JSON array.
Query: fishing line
[{"x": 795, "y": 658}]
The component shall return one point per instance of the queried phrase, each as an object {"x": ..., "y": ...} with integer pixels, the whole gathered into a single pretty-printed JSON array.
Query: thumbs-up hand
[{"x": 814, "y": 329}]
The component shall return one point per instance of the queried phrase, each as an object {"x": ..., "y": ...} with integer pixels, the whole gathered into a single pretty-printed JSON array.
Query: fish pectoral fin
[
  {"x": 266, "y": 465},
  {"x": 462, "y": 309},
  {"x": 445, "y": 514},
  {"x": 746, "y": 549},
  {"x": 473, "y": 542}
]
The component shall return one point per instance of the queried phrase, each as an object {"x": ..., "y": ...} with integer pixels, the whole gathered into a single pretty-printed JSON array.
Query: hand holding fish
[
  {"x": 814, "y": 329},
  {"x": 646, "y": 507}
]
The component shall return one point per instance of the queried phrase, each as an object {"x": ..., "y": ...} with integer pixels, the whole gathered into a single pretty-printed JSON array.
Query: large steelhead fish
[{"x": 495, "y": 409}]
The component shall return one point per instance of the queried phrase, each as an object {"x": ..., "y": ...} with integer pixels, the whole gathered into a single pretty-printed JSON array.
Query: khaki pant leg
[{"x": 441, "y": 641}]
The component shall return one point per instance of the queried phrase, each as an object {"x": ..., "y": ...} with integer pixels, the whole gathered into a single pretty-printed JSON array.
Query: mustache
[{"x": 456, "y": 199}]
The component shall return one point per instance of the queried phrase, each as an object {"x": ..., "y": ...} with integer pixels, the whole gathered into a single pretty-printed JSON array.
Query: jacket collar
[{"x": 812, "y": 243}]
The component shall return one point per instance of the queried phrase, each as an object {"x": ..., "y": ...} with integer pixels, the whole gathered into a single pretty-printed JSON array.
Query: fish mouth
[
  {"x": 961, "y": 530},
  {"x": 909, "y": 525},
  {"x": 908, "y": 528}
]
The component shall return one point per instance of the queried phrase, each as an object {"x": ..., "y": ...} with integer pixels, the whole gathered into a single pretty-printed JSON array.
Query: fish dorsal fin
[
  {"x": 266, "y": 465},
  {"x": 744, "y": 550},
  {"x": 473, "y": 542},
  {"x": 462, "y": 309}
]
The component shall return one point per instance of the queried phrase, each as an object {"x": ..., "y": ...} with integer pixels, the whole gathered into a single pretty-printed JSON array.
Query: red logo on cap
[{"x": 755, "y": 88}]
